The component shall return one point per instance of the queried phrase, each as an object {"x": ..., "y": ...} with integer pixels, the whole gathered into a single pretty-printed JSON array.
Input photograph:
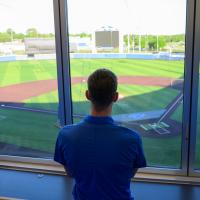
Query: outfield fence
[{"x": 143, "y": 56}]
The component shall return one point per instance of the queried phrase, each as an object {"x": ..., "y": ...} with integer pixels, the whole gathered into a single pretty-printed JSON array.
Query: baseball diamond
[{"x": 150, "y": 102}]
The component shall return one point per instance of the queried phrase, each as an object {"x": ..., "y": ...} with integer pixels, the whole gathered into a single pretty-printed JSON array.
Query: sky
[{"x": 128, "y": 16}]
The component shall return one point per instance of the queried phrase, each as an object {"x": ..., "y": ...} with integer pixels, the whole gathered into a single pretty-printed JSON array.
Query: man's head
[{"x": 102, "y": 89}]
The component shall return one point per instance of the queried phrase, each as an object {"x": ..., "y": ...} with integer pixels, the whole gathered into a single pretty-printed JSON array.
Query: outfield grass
[
  {"x": 37, "y": 131},
  {"x": 26, "y": 71},
  {"x": 136, "y": 99},
  {"x": 28, "y": 129},
  {"x": 130, "y": 67}
]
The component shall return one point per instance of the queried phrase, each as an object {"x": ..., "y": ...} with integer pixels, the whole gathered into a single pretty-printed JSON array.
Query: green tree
[
  {"x": 152, "y": 42},
  {"x": 11, "y": 32},
  {"x": 4, "y": 37},
  {"x": 32, "y": 32},
  {"x": 19, "y": 36},
  {"x": 136, "y": 40},
  {"x": 125, "y": 38},
  {"x": 143, "y": 41},
  {"x": 82, "y": 35},
  {"x": 161, "y": 42}
]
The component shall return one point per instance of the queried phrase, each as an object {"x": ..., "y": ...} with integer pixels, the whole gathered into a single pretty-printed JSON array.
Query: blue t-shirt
[{"x": 101, "y": 156}]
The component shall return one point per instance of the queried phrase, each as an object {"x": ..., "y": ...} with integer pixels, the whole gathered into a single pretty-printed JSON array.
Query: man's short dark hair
[{"x": 102, "y": 85}]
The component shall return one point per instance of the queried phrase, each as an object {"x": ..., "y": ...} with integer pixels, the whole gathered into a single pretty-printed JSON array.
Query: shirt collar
[{"x": 99, "y": 120}]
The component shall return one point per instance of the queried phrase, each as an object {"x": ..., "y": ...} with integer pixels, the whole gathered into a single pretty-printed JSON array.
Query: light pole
[
  {"x": 157, "y": 44},
  {"x": 128, "y": 43},
  {"x": 140, "y": 43},
  {"x": 133, "y": 43},
  {"x": 11, "y": 34}
]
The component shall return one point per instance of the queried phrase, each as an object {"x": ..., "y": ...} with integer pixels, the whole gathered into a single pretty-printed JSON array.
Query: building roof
[{"x": 106, "y": 28}]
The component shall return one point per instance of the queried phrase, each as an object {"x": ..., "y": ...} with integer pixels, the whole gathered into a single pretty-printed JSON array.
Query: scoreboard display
[{"x": 107, "y": 39}]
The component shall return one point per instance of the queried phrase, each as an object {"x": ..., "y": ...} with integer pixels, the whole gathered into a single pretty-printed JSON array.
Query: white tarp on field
[{"x": 138, "y": 116}]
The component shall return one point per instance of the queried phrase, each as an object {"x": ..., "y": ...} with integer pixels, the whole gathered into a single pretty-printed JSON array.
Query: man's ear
[
  {"x": 87, "y": 94},
  {"x": 116, "y": 96}
]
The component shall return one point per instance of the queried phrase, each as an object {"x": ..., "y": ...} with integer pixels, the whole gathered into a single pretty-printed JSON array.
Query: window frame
[
  {"x": 187, "y": 93},
  {"x": 64, "y": 90},
  {"x": 188, "y": 65},
  {"x": 195, "y": 95},
  {"x": 63, "y": 61}
]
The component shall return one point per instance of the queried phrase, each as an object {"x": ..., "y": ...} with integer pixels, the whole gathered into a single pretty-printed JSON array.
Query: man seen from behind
[{"x": 100, "y": 155}]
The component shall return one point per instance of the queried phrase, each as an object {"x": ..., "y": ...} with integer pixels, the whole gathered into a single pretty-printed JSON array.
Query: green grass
[
  {"x": 28, "y": 129},
  {"x": 131, "y": 67},
  {"x": 48, "y": 101},
  {"x": 178, "y": 114},
  {"x": 37, "y": 131},
  {"x": 163, "y": 151},
  {"x": 25, "y": 71},
  {"x": 136, "y": 99}
]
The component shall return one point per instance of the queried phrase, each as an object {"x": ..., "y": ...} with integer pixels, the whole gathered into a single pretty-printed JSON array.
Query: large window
[
  {"x": 145, "y": 47},
  {"x": 141, "y": 41},
  {"x": 194, "y": 164},
  {"x": 28, "y": 79},
  {"x": 197, "y": 157}
]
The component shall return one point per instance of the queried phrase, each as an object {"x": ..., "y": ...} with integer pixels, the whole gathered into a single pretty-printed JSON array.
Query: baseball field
[{"x": 150, "y": 102}]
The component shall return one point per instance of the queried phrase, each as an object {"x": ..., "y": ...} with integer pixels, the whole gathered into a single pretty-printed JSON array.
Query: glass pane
[
  {"x": 197, "y": 154},
  {"x": 143, "y": 42},
  {"x": 28, "y": 83}
]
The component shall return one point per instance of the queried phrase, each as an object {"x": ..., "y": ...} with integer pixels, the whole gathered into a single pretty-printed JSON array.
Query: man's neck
[{"x": 103, "y": 113}]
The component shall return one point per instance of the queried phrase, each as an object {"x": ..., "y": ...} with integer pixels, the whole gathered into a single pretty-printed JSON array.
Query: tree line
[
  {"x": 10, "y": 35},
  {"x": 132, "y": 41},
  {"x": 152, "y": 42}
]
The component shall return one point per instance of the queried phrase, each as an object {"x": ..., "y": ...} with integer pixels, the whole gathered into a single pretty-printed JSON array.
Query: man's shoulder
[
  {"x": 68, "y": 130},
  {"x": 69, "y": 127},
  {"x": 128, "y": 133},
  {"x": 76, "y": 129}
]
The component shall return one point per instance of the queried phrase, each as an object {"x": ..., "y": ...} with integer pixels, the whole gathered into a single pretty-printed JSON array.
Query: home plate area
[
  {"x": 155, "y": 128},
  {"x": 160, "y": 128}
]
